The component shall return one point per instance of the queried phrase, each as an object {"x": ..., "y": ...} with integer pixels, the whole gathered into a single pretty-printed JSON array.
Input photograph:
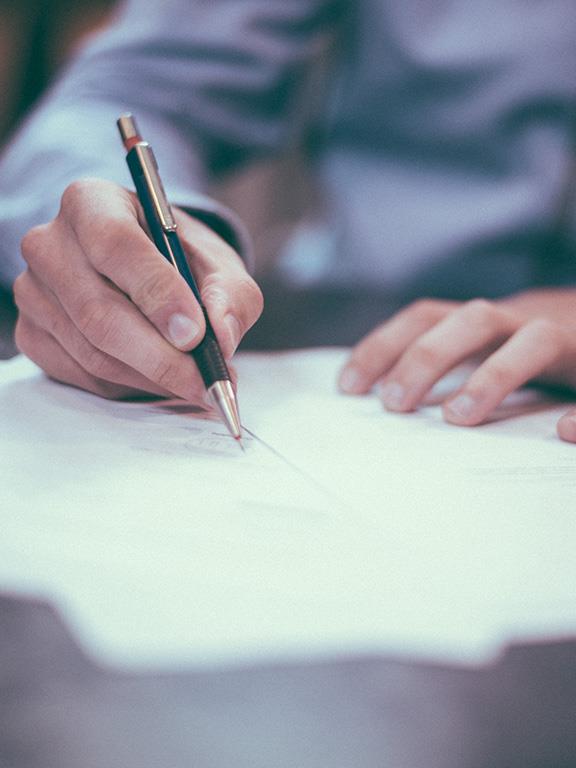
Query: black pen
[{"x": 162, "y": 225}]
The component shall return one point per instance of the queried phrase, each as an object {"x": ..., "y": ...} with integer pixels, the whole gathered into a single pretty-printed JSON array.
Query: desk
[{"x": 61, "y": 711}]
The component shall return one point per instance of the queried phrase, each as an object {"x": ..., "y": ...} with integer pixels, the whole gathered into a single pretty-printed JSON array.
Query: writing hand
[
  {"x": 532, "y": 338},
  {"x": 101, "y": 309}
]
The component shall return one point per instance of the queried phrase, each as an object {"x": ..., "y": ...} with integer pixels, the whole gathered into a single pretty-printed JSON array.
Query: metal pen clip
[{"x": 149, "y": 171}]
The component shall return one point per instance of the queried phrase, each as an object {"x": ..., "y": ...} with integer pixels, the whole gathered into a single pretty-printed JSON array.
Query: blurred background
[{"x": 38, "y": 37}]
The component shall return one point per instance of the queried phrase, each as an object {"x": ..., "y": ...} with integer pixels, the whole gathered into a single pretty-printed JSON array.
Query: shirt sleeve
[{"x": 213, "y": 84}]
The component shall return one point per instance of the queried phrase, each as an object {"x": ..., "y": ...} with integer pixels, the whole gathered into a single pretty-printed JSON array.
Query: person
[{"x": 443, "y": 144}]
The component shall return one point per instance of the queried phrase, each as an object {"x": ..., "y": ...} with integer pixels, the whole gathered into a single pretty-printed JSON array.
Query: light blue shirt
[{"x": 443, "y": 138}]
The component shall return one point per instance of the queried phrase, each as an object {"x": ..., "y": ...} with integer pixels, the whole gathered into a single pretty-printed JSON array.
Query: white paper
[{"x": 341, "y": 529}]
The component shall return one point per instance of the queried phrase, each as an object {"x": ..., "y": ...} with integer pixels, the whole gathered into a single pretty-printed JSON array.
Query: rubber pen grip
[
  {"x": 207, "y": 354},
  {"x": 209, "y": 358}
]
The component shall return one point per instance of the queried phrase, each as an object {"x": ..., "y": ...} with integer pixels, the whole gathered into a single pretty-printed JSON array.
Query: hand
[
  {"x": 529, "y": 337},
  {"x": 567, "y": 426},
  {"x": 100, "y": 308}
]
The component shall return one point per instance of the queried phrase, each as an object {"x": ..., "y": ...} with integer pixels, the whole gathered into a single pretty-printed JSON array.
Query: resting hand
[
  {"x": 101, "y": 309},
  {"x": 529, "y": 337},
  {"x": 567, "y": 426}
]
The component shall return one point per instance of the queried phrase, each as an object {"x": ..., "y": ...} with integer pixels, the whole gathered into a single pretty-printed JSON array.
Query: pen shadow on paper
[
  {"x": 170, "y": 426},
  {"x": 66, "y": 395}
]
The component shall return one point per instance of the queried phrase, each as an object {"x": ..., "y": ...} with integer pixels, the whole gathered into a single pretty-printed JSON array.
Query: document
[{"x": 340, "y": 529}]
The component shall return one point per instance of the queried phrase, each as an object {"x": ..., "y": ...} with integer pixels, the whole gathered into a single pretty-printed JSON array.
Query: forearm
[
  {"x": 65, "y": 142},
  {"x": 212, "y": 84}
]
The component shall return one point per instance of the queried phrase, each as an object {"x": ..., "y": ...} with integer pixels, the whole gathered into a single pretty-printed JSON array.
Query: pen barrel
[
  {"x": 209, "y": 358},
  {"x": 207, "y": 355}
]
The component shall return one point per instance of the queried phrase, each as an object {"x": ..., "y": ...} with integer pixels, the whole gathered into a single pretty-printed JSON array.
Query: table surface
[{"x": 60, "y": 710}]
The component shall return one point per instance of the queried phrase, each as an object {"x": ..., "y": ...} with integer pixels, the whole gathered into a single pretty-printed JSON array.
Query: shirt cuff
[
  {"x": 61, "y": 145},
  {"x": 221, "y": 219}
]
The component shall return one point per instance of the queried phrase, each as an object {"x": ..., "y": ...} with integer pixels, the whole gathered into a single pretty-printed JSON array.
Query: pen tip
[
  {"x": 225, "y": 401},
  {"x": 241, "y": 444}
]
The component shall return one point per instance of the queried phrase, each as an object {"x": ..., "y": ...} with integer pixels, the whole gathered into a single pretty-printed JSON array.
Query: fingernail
[
  {"x": 392, "y": 395},
  {"x": 234, "y": 332},
  {"x": 461, "y": 408},
  {"x": 182, "y": 330},
  {"x": 567, "y": 429},
  {"x": 350, "y": 381}
]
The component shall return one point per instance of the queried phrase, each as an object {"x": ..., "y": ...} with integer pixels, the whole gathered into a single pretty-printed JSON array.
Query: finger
[
  {"x": 567, "y": 426},
  {"x": 39, "y": 305},
  {"x": 45, "y": 351},
  {"x": 526, "y": 355},
  {"x": 111, "y": 322},
  {"x": 232, "y": 298},
  {"x": 104, "y": 220},
  {"x": 113, "y": 325},
  {"x": 467, "y": 330},
  {"x": 126, "y": 256},
  {"x": 378, "y": 351}
]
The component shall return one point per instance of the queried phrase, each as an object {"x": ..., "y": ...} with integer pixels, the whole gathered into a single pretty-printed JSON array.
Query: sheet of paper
[{"x": 341, "y": 529}]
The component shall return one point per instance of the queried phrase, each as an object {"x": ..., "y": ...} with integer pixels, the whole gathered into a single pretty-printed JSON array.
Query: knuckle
[
  {"x": 55, "y": 324},
  {"x": 72, "y": 196},
  {"x": 76, "y": 193},
  {"x": 95, "y": 362},
  {"x": 424, "y": 308},
  {"x": 498, "y": 374},
  {"x": 19, "y": 289},
  {"x": 423, "y": 355},
  {"x": 213, "y": 291},
  {"x": 155, "y": 291},
  {"x": 96, "y": 321},
  {"x": 167, "y": 375},
  {"x": 480, "y": 312},
  {"x": 32, "y": 244},
  {"x": 547, "y": 332}
]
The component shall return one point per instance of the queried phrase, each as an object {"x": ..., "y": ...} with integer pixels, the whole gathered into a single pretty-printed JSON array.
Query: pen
[{"x": 163, "y": 228}]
